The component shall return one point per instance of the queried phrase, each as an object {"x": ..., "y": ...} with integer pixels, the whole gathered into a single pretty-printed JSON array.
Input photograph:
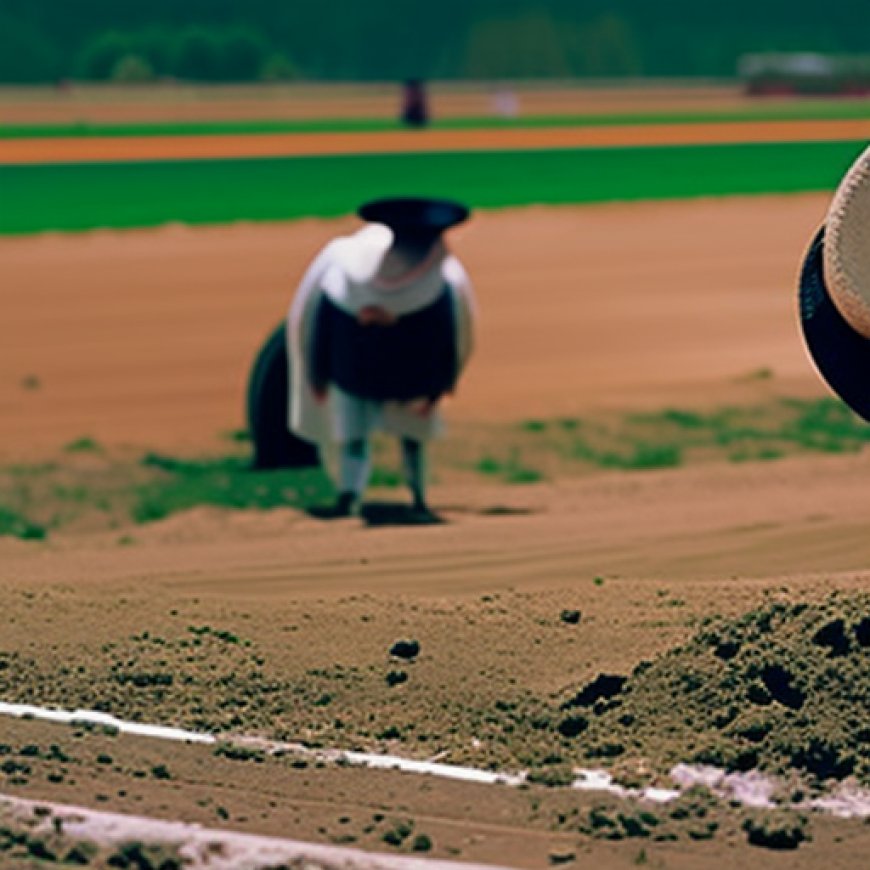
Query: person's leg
[
  {"x": 354, "y": 467},
  {"x": 414, "y": 465},
  {"x": 351, "y": 422}
]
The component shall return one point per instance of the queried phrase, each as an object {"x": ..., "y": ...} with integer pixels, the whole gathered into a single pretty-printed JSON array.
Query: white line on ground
[
  {"x": 210, "y": 848},
  {"x": 753, "y": 789}
]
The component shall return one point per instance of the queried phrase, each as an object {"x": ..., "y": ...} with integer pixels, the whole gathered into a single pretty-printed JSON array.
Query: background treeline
[{"x": 240, "y": 40}]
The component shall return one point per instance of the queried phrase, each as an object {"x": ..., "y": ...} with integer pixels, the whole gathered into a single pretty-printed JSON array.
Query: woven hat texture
[{"x": 847, "y": 246}]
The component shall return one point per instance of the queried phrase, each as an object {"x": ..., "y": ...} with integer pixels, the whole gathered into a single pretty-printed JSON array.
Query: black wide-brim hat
[
  {"x": 834, "y": 291},
  {"x": 412, "y": 214}
]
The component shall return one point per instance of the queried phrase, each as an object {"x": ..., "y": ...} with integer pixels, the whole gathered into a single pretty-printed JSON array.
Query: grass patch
[
  {"x": 816, "y": 425},
  {"x": 827, "y": 426},
  {"x": 534, "y": 426},
  {"x": 223, "y": 482},
  {"x": 674, "y": 436},
  {"x": 670, "y": 438},
  {"x": 237, "y": 436},
  {"x": 636, "y": 457},
  {"x": 124, "y": 488},
  {"x": 388, "y": 478},
  {"x": 680, "y": 418},
  {"x": 509, "y": 470},
  {"x": 83, "y": 445},
  {"x": 119, "y": 489},
  {"x": 15, "y": 525},
  {"x": 86, "y": 196}
]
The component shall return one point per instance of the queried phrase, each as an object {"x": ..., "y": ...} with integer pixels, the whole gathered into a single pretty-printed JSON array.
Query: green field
[
  {"x": 809, "y": 111},
  {"x": 87, "y": 196}
]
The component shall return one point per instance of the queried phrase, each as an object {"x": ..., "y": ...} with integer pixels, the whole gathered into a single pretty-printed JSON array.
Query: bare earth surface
[
  {"x": 147, "y": 337},
  {"x": 143, "y": 340},
  {"x": 107, "y": 105},
  {"x": 112, "y": 105},
  {"x": 277, "y": 625}
]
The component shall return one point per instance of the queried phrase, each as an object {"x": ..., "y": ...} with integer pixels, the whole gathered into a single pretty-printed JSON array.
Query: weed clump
[
  {"x": 17, "y": 525},
  {"x": 776, "y": 830}
]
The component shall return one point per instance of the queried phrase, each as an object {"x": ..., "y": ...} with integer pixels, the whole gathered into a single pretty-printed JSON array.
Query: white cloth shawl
[{"x": 344, "y": 270}]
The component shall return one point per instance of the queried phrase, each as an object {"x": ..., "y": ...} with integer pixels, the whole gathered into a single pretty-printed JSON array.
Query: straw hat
[{"x": 847, "y": 246}]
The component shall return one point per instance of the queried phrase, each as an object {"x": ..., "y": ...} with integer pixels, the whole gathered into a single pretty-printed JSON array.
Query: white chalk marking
[
  {"x": 448, "y": 771},
  {"x": 364, "y": 759},
  {"x": 846, "y": 801},
  {"x": 209, "y": 848},
  {"x": 752, "y": 789},
  {"x": 95, "y": 717}
]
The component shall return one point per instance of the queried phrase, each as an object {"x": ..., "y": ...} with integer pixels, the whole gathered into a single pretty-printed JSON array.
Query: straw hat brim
[{"x": 840, "y": 353}]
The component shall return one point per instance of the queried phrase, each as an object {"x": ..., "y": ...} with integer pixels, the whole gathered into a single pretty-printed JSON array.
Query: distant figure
[
  {"x": 415, "y": 107},
  {"x": 379, "y": 331},
  {"x": 506, "y": 104}
]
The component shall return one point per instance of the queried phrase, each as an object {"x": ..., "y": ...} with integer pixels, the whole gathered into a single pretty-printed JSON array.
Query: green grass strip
[
  {"x": 810, "y": 111},
  {"x": 226, "y": 482},
  {"x": 86, "y": 196}
]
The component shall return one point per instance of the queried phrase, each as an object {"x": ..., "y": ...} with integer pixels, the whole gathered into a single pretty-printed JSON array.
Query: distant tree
[
  {"x": 132, "y": 68},
  {"x": 607, "y": 46},
  {"x": 100, "y": 55},
  {"x": 522, "y": 46},
  {"x": 25, "y": 54},
  {"x": 278, "y": 68},
  {"x": 43, "y": 40},
  {"x": 197, "y": 55},
  {"x": 242, "y": 55},
  {"x": 157, "y": 45}
]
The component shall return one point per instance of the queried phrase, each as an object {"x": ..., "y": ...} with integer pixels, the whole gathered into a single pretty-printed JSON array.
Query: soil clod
[
  {"x": 405, "y": 649},
  {"x": 602, "y": 688}
]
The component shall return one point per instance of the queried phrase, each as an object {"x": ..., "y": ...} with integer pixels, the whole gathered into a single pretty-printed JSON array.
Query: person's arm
[
  {"x": 464, "y": 312},
  {"x": 302, "y": 323}
]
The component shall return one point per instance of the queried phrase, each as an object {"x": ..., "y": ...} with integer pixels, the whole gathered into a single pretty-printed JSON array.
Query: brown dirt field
[
  {"x": 144, "y": 338},
  {"x": 107, "y": 105},
  {"x": 132, "y": 148},
  {"x": 147, "y": 337}
]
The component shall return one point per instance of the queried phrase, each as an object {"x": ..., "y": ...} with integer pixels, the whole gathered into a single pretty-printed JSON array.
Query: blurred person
[
  {"x": 415, "y": 105},
  {"x": 505, "y": 103},
  {"x": 379, "y": 331}
]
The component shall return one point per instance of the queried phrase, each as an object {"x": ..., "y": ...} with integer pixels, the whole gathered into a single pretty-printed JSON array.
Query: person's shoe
[
  {"x": 421, "y": 514},
  {"x": 346, "y": 505}
]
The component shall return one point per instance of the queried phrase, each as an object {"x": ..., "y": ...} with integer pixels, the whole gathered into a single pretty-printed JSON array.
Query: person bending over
[{"x": 380, "y": 329}]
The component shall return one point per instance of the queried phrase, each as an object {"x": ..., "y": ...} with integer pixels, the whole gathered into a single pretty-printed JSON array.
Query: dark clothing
[
  {"x": 412, "y": 358},
  {"x": 415, "y": 108}
]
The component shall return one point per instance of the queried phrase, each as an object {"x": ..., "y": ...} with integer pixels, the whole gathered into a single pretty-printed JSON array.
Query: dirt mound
[{"x": 784, "y": 688}]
